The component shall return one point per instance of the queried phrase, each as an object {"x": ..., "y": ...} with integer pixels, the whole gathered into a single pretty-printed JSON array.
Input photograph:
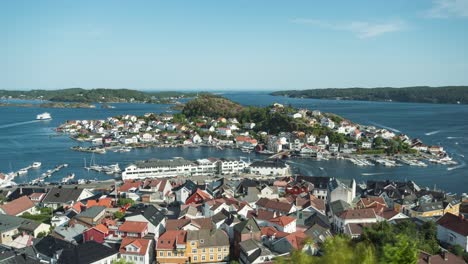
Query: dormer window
[{"x": 202, "y": 241}]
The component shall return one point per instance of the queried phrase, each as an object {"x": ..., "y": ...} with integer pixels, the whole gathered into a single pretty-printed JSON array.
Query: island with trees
[
  {"x": 417, "y": 94},
  {"x": 79, "y": 95}
]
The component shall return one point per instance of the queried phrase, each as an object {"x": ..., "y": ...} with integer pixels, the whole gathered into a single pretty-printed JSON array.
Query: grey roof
[
  {"x": 189, "y": 210},
  {"x": 10, "y": 255},
  {"x": 89, "y": 252},
  {"x": 154, "y": 163},
  {"x": 269, "y": 164},
  {"x": 71, "y": 233},
  {"x": 339, "y": 206},
  {"x": 307, "y": 218},
  {"x": 260, "y": 250},
  {"x": 248, "y": 245},
  {"x": 62, "y": 195},
  {"x": 247, "y": 226},
  {"x": 8, "y": 222},
  {"x": 150, "y": 212},
  {"x": 210, "y": 238},
  {"x": 318, "y": 233},
  {"x": 427, "y": 207},
  {"x": 92, "y": 212},
  {"x": 49, "y": 246},
  {"x": 221, "y": 216}
]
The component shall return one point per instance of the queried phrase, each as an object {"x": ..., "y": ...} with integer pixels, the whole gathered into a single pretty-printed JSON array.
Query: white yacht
[
  {"x": 44, "y": 116},
  {"x": 36, "y": 164}
]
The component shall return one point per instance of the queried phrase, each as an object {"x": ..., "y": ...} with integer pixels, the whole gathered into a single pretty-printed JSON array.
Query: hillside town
[
  {"x": 216, "y": 220},
  {"x": 301, "y": 133}
]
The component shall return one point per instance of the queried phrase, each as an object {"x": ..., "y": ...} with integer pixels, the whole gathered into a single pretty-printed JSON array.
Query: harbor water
[{"x": 24, "y": 140}]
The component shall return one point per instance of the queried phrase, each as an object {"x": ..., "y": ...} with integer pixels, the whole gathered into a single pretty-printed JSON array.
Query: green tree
[
  {"x": 119, "y": 215},
  {"x": 125, "y": 201},
  {"x": 404, "y": 251}
]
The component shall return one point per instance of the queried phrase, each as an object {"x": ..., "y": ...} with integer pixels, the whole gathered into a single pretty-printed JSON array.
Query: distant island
[
  {"x": 416, "y": 94},
  {"x": 100, "y": 95}
]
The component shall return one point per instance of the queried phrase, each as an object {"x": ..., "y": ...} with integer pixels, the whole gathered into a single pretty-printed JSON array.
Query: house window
[
  {"x": 219, "y": 250},
  {"x": 211, "y": 250},
  {"x": 204, "y": 250},
  {"x": 220, "y": 256},
  {"x": 141, "y": 258},
  {"x": 225, "y": 249},
  {"x": 195, "y": 258},
  {"x": 202, "y": 241},
  {"x": 211, "y": 257},
  {"x": 161, "y": 253},
  {"x": 169, "y": 254},
  {"x": 192, "y": 243},
  {"x": 194, "y": 251},
  {"x": 203, "y": 258}
]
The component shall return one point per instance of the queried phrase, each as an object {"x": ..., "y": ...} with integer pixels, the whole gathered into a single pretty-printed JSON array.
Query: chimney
[
  {"x": 445, "y": 255},
  {"x": 21, "y": 190}
]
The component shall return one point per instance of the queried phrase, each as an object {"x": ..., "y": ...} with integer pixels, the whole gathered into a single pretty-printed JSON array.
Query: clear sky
[{"x": 251, "y": 44}]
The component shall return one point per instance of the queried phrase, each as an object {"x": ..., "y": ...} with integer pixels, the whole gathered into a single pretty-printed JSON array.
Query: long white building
[{"x": 181, "y": 167}]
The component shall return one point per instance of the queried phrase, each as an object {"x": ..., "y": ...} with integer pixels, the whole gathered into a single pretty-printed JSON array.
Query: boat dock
[{"x": 49, "y": 173}]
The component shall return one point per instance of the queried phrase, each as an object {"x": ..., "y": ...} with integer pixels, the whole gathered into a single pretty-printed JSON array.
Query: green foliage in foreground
[
  {"x": 381, "y": 243},
  {"x": 122, "y": 261}
]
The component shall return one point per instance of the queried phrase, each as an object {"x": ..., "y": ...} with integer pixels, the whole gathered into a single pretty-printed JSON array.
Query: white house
[
  {"x": 283, "y": 223},
  {"x": 453, "y": 230},
  {"x": 269, "y": 167},
  {"x": 354, "y": 216},
  {"x": 224, "y": 131},
  {"x": 136, "y": 250}
]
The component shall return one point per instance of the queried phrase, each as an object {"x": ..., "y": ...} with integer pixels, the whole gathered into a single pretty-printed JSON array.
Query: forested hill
[
  {"x": 417, "y": 94},
  {"x": 94, "y": 95}
]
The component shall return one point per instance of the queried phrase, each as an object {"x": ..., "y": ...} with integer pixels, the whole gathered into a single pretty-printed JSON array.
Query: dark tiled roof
[
  {"x": 92, "y": 212},
  {"x": 88, "y": 252},
  {"x": 247, "y": 226},
  {"x": 210, "y": 238},
  {"x": 49, "y": 246},
  {"x": 149, "y": 212},
  {"x": 274, "y": 204},
  {"x": 339, "y": 206},
  {"x": 269, "y": 164},
  {"x": 7, "y": 222},
  {"x": 62, "y": 195}
]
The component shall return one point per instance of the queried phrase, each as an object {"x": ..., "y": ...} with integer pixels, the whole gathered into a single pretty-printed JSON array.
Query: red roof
[
  {"x": 455, "y": 223},
  {"x": 106, "y": 202},
  {"x": 77, "y": 207},
  {"x": 102, "y": 228},
  {"x": 297, "y": 240},
  {"x": 171, "y": 238},
  {"x": 130, "y": 184},
  {"x": 358, "y": 214},
  {"x": 270, "y": 231},
  {"x": 140, "y": 243},
  {"x": 282, "y": 220},
  {"x": 133, "y": 227},
  {"x": 17, "y": 206}
]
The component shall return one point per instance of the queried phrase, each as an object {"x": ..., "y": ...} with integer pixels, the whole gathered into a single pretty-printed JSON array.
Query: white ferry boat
[{"x": 44, "y": 116}]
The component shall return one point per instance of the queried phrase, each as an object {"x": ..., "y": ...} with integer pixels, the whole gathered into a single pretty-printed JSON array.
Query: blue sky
[{"x": 271, "y": 45}]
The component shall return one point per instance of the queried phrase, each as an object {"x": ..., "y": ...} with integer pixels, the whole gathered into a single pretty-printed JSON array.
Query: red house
[
  {"x": 133, "y": 229},
  {"x": 296, "y": 188},
  {"x": 97, "y": 233},
  {"x": 198, "y": 196}
]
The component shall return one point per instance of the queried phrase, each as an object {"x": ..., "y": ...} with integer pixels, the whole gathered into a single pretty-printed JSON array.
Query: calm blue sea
[{"x": 24, "y": 140}]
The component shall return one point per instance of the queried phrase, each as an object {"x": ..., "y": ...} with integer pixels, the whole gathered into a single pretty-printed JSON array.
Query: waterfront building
[{"x": 270, "y": 167}]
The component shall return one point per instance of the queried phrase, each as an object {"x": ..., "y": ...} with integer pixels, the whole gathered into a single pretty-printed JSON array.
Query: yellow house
[
  {"x": 171, "y": 247},
  {"x": 207, "y": 246}
]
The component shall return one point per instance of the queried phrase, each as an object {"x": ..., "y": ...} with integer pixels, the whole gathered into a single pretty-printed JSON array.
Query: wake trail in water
[
  {"x": 386, "y": 127},
  {"x": 453, "y": 137},
  {"x": 371, "y": 174},
  {"x": 19, "y": 123},
  {"x": 432, "y": 133},
  {"x": 463, "y": 165}
]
